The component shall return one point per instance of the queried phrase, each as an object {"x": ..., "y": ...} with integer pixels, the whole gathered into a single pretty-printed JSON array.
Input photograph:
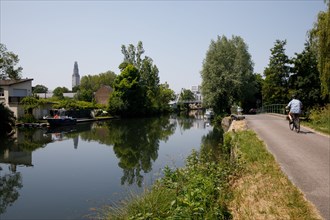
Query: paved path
[{"x": 304, "y": 156}]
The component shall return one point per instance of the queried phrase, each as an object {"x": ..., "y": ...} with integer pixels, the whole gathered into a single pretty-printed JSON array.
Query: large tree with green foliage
[
  {"x": 8, "y": 63},
  {"x": 126, "y": 98},
  {"x": 276, "y": 84},
  {"x": 165, "y": 96},
  {"x": 149, "y": 79},
  {"x": 40, "y": 89},
  {"x": 227, "y": 74},
  {"x": 150, "y": 97},
  {"x": 7, "y": 121},
  {"x": 321, "y": 35},
  {"x": 58, "y": 92},
  {"x": 305, "y": 81}
]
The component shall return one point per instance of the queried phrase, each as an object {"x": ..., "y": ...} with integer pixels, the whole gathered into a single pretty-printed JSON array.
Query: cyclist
[{"x": 294, "y": 107}]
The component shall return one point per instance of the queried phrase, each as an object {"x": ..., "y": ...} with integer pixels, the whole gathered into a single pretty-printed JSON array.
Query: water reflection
[
  {"x": 211, "y": 144},
  {"x": 10, "y": 184},
  {"x": 134, "y": 142},
  {"x": 10, "y": 181}
]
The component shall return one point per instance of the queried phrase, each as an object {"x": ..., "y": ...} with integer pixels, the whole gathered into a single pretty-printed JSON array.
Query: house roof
[{"x": 12, "y": 82}]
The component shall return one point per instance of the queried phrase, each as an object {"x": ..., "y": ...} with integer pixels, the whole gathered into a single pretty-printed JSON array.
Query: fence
[{"x": 274, "y": 108}]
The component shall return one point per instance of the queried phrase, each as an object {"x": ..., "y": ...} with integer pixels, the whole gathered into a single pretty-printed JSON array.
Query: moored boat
[{"x": 60, "y": 119}]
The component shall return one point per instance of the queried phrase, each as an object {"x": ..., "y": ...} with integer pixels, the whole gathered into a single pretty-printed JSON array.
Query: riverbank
[
  {"x": 44, "y": 123},
  {"x": 236, "y": 179},
  {"x": 260, "y": 190}
]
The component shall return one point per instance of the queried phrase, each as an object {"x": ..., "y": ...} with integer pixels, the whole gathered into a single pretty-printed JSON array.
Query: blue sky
[{"x": 49, "y": 36}]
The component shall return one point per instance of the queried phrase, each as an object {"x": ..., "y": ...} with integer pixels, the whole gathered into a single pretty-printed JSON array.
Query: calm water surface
[{"x": 67, "y": 173}]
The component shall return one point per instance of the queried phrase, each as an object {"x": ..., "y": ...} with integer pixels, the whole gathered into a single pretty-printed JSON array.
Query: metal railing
[{"x": 274, "y": 108}]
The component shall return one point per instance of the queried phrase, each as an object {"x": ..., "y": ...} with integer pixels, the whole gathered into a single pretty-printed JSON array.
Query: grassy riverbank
[
  {"x": 236, "y": 178},
  {"x": 200, "y": 190},
  {"x": 260, "y": 190}
]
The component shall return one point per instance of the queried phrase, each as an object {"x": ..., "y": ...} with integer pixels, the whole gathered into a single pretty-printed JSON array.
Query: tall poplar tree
[
  {"x": 153, "y": 97},
  {"x": 227, "y": 74},
  {"x": 275, "y": 87},
  {"x": 321, "y": 33}
]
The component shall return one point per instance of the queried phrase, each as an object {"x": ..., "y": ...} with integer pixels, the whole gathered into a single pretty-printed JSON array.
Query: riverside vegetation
[
  {"x": 319, "y": 119},
  {"x": 235, "y": 178}
]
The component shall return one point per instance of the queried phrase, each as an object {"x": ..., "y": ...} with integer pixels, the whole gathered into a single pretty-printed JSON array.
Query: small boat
[{"x": 61, "y": 119}]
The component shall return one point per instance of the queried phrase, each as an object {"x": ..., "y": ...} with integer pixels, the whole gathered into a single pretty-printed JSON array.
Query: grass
[
  {"x": 197, "y": 191},
  {"x": 319, "y": 119},
  {"x": 151, "y": 204},
  {"x": 241, "y": 181},
  {"x": 260, "y": 189}
]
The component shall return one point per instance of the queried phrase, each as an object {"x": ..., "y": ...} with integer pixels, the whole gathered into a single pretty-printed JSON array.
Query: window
[
  {"x": 20, "y": 92},
  {"x": 2, "y": 92}
]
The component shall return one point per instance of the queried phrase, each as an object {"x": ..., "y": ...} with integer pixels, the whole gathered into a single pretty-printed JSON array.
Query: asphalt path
[{"x": 304, "y": 156}]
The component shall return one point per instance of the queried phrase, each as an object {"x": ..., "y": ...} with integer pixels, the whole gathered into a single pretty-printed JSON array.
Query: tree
[
  {"x": 149, "y": 79},
  {"x": 127, "y": 98},
  {"x": 275, "y": 87},
  {"x": 76, "y": 88},
  {"x": 132, "y": 55},
  {"x": 186, "y": 95},
  {"x": 305, "y": 81},
  {"x": 152, "y": 97},
  {"x": 226, "y": 73},
  {"x": 7, "y": 121},
  {"x": 258, "y": 96},
  {"x": 40, "y": 89},
  {"x": 8, "y": 62},
  {"x": 58, "y": 91},
  {"x": 165, "y": 96},
  {"x": 321, "y": 35},
  {"x": 91, "y": 83}
]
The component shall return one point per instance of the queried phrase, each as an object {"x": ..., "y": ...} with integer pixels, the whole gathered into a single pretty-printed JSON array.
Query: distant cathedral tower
[{"x": 75, "y": 75}]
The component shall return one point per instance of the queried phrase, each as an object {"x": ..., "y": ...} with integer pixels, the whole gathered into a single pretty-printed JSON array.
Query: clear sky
[{"x": 49, "y": 36}]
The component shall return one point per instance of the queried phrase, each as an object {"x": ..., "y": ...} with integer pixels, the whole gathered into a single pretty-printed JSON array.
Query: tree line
[{"x": 228, "y": 78}]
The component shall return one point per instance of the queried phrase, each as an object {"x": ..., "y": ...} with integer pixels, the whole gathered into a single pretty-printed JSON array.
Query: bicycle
[{"x": 295, "y": 123}]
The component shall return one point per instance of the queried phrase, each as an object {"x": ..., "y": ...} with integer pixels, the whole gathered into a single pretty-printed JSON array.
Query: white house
[{"x": 13, "y": 91}]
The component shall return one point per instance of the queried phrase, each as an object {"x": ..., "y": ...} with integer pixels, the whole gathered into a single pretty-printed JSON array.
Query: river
[{"x": 70, "y": 172}]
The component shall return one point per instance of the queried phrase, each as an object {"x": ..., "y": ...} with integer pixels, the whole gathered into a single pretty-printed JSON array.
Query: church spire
[{"x": 75, "y": 75}]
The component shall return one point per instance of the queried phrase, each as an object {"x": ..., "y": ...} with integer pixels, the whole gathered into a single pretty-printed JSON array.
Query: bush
[
  {"x": 28, "y": 118},
  {"x": 197, "y": 191},
  {"x": 319, "y": 118}
]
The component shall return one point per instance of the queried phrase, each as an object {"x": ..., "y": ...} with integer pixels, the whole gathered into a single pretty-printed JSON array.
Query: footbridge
[{"x": 273, "y": 108}]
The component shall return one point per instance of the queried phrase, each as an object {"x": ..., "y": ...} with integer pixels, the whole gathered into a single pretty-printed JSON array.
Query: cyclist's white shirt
[{"x": 295, "y": 106}]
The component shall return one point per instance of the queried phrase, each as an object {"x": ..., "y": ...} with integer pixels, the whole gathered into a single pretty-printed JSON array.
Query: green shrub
[
  {"x": 27, "y": 118},
  {"x": 198, "y": 191},
  {"x": 201, "y": 188},
  {"x": 319, "y": 119}
]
